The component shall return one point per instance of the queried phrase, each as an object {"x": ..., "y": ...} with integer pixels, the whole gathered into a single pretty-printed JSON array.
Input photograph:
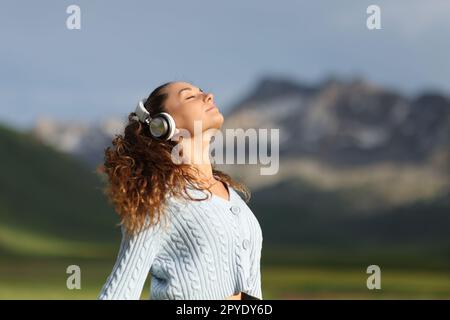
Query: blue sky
[{"x": 125, "y": 49}]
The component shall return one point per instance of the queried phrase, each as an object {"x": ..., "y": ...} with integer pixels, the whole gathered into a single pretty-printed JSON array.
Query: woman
[{"x": 181, "y": 221}]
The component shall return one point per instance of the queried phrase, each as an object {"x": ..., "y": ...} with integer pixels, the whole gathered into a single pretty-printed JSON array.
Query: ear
[{"x": 177, "y": 134}]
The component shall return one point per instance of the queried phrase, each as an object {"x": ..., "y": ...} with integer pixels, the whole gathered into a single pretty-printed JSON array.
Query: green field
[{"x": 298, "y": 278}]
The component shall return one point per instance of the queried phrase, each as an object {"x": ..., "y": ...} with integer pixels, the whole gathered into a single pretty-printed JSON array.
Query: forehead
[
  {"x": 174, "y": 99},
  {"x": 175, "y": 87}
]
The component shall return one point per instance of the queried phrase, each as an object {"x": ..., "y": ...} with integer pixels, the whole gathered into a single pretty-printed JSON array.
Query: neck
[{"x": 196, "y": 153}]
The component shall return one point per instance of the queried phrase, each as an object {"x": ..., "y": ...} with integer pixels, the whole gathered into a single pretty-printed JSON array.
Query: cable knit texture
[{"x": 210, "y": 250}]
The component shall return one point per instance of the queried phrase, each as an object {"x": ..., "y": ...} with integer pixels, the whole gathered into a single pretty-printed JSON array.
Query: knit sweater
[{"x": 209, "y": 250}]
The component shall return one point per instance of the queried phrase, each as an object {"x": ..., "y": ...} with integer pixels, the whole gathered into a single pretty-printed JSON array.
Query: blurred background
[{"x": 364, "y": 119}]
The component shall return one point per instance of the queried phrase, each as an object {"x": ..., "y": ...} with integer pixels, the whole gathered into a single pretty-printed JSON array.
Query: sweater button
[
  {"x": 235, "y": 210},
  {"x": 245, "y": 243}
]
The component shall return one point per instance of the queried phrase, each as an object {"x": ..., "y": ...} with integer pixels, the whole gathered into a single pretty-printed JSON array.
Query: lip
[{"x": 210, "y": 108}]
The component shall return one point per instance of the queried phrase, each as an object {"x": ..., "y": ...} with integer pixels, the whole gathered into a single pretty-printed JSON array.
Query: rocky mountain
[
  {"x": 379, "y": 148},
  {"x": 347, "y": 123}
]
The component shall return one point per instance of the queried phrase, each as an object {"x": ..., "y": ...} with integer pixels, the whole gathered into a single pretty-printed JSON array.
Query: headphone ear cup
[
  {"x": 162, "y": 126},
  {"x": 158, "y": 127}
]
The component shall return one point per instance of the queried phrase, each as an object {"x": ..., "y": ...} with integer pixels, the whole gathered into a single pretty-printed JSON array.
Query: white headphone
[{"x": 162, "y": 125}]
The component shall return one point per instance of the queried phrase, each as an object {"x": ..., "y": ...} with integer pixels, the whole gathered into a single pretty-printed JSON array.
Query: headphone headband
[{"x": 142, "y": 113}]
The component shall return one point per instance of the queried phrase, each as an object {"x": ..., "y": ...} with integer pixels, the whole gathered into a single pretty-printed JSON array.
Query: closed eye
[{"x": 194, "y": 96}]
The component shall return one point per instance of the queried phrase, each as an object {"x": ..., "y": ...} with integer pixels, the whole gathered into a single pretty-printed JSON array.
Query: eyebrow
[{"x": 179, "y": 92}]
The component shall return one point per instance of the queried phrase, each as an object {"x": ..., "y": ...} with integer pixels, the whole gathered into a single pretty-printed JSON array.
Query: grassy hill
[
  {"x": 49, "y": 202},
  {"x": 294, "y": 212},
  {"x": 307, "y": 226}
]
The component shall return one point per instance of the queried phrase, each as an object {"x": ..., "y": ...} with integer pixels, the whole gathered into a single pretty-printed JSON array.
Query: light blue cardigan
[{"x": 210, "y": 250}]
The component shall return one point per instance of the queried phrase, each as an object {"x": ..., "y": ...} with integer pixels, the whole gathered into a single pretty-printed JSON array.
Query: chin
[
  {"x": 216, "y": 121},
  {"x": 220, "y": 121}
]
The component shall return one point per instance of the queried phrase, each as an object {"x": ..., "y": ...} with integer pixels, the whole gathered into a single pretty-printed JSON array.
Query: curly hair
[{"x": 140, "y": 172}]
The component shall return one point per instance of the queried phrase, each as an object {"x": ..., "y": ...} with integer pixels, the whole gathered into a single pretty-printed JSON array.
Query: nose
[{"x": 209, "y": 97}]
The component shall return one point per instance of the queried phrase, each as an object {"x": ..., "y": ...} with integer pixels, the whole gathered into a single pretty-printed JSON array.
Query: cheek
[{"x": 186, "y": 118}]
